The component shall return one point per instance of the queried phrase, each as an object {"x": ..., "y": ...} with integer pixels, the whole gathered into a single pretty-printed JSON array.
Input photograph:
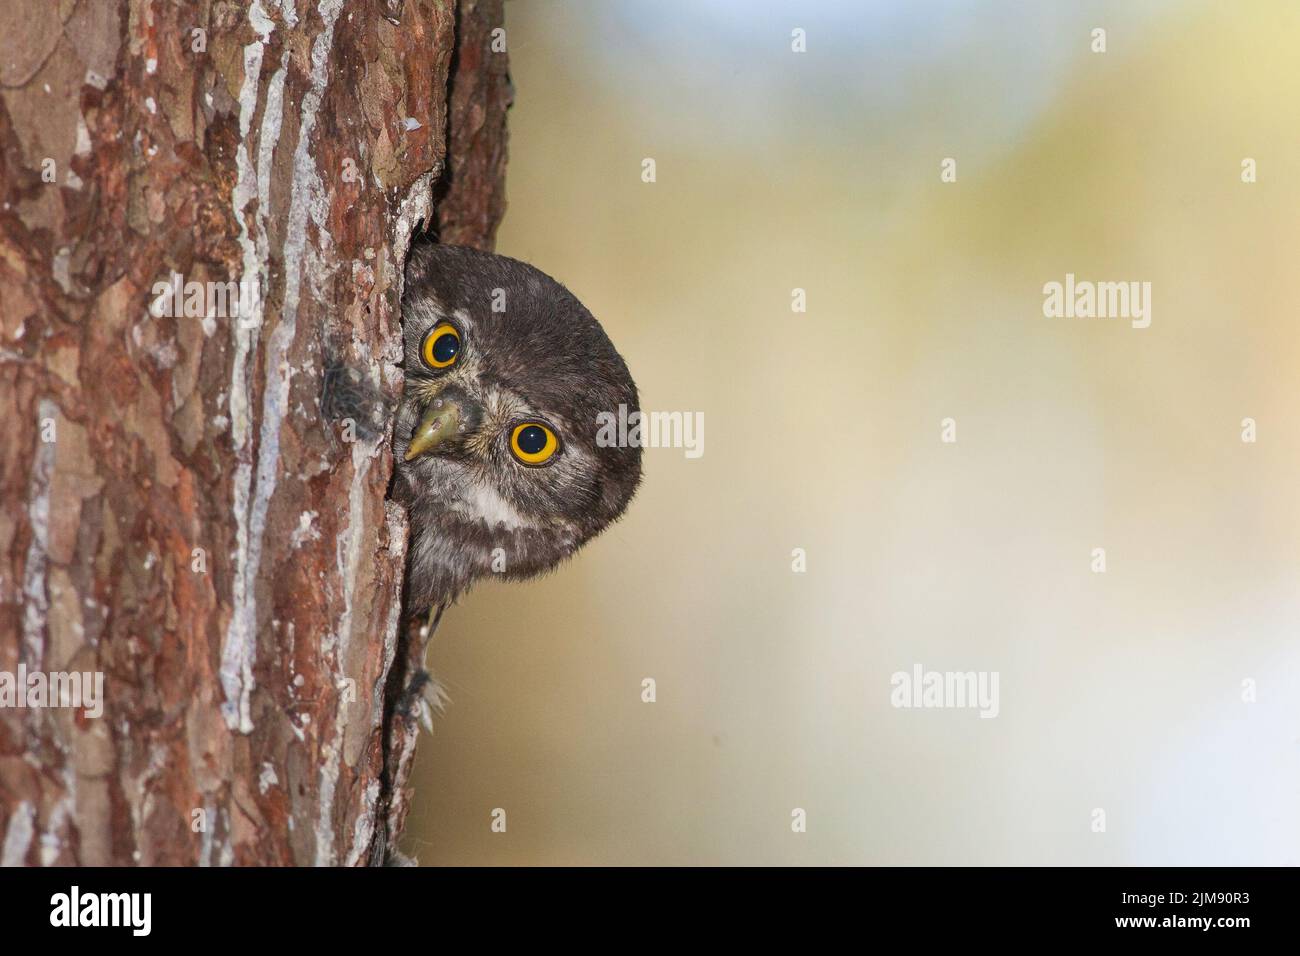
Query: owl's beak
[{"x": 444, "y": 419}]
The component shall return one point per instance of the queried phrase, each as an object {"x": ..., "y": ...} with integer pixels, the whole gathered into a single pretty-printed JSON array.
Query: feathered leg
[{"x": 424, "y": 695}]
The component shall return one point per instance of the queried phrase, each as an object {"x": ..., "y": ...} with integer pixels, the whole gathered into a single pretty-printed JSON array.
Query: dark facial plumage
[{"x": 526, "y": 352}]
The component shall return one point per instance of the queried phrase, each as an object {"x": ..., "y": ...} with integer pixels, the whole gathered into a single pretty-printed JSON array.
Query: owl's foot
[{"x": 422, "y": 698}]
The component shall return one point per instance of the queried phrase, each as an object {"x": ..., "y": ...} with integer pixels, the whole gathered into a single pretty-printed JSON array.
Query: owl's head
[{"x": 495, "y": 438}]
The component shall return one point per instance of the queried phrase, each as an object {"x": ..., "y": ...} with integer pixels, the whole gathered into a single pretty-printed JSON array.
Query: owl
[{"x": 495, "y": 436}]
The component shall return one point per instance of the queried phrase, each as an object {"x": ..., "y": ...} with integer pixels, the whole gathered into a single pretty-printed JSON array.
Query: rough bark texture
[{"x": 176, "y": 511}]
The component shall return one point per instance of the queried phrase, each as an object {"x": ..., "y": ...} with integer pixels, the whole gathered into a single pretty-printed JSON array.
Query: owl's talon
[{"x": 422, "y": 698}]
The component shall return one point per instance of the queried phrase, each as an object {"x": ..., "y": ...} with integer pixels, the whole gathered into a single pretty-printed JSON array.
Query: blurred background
[{"x": 775, "y": 171}]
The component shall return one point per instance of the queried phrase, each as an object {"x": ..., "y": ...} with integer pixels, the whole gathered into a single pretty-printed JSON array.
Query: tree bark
[{"x": 179, "y": 513}]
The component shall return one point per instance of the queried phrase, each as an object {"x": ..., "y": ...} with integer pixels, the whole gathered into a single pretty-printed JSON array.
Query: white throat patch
[{"x": 483, "y": 501}]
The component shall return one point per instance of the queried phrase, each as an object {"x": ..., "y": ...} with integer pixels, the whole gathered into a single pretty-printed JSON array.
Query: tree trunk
[{"x": 180, "y": 513}]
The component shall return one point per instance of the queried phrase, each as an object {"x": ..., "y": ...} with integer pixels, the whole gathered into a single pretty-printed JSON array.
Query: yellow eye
[
  {"x": 533, "y": 443},
  {"x": 441, "y": 346}
]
